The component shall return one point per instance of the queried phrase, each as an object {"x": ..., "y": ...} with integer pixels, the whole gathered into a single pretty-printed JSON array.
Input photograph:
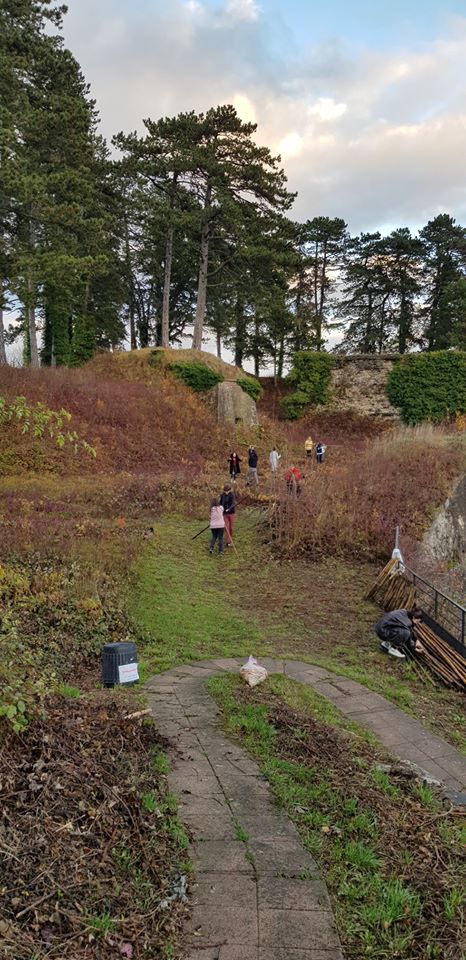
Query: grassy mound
[{"x": 146, "y": 365}]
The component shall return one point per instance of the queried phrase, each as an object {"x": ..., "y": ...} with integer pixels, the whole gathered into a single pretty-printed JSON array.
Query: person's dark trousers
[
  {"x": 216, "y": 534},
  {"x": 398, "y": 638},
  {"x": 320, "y": 458}
]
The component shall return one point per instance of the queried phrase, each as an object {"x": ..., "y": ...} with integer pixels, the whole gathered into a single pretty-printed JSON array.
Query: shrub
[
  {"x": 310, "y": 374},
  {"x": 195, "y": 375},
  {"x": 156, "y": 357},
  {"x": 294, "y": 405},
  {"x": 429, "y": 386},
  {"x": 251, "y": 387}
]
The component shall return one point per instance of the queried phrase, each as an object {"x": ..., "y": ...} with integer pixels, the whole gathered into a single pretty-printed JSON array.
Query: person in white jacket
[{"x": 274, "y": 458}]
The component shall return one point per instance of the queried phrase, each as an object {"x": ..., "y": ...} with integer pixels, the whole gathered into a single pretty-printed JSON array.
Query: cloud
[
  {"x": 291, "y": 145},
  {"x": 376, "y": 137},
  {"x": 244, "y": 108},
  {"x": 193, "y": 8},
  {"x": 243, "y": 9},
  {"x": 327, "y": 109}
]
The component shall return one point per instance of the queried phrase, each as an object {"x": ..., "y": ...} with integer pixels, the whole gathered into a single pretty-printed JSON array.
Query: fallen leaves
[{"x": 84, "y": 866}]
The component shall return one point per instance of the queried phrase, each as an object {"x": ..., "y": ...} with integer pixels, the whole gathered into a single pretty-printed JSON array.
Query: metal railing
[{"x": 442, "y": 609}]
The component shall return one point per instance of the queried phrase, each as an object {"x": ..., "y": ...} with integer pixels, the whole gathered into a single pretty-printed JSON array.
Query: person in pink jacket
[{"x": 217, "y": 525}]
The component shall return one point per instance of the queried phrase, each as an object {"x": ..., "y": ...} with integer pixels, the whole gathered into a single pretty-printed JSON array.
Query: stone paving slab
[
  {"x": 290, "y": 929},
  {"x": 262, "y": 898}
]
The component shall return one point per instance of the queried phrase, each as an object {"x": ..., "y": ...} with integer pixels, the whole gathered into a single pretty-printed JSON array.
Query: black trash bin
[{"x": 116, "y": 656}]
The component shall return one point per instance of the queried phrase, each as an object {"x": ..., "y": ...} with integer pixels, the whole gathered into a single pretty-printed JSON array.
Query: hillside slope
[{"x": 132, "y": 425}]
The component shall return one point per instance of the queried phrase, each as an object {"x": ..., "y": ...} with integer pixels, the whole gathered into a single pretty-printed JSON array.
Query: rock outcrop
[
  {"x": 233, "y": 405},
  {"x": 445, "y": 540},
  {"x": 359, "y": 383}
]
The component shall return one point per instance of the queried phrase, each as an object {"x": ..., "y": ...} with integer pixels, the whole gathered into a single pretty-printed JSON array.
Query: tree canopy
[{"x": 185, "y": 231}]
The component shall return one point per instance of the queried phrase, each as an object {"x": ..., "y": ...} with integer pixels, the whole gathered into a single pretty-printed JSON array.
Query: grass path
[{"x": 190, "y": 605}]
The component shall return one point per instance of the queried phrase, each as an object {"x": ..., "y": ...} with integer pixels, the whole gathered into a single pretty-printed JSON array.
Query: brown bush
[
  {"x": 351, "y": 508},
  {"x": 132, "y": 426}
]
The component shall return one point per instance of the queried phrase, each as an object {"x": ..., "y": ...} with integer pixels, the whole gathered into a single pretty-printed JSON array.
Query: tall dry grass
[
  {"x": 351, "y": 508},
  {"x": 132, "y": 426}
]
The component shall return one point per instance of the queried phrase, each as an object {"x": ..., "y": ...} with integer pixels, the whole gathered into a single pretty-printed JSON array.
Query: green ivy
[
  {"x": 310, "y": 374},
  {"x": 251, "y": 387},
  {"x": 429, "y": 386},
  {"x": 195, "y": 375}
]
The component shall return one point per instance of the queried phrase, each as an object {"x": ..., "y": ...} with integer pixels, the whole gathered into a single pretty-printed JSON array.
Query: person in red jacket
[{"x": 293, "y": 480}]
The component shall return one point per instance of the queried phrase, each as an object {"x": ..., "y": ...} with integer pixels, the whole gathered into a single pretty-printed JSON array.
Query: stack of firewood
[{"x": 392, "y": 591}]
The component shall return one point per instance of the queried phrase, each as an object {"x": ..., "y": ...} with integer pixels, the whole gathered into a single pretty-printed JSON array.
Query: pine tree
[
  {"x": 444, "y": 245},
  {"x": 230, "y": 175},
  {"x": 403, "y": 264},
  {"x": 61, "y": 234},
  {"x": 365, "y": 302}
]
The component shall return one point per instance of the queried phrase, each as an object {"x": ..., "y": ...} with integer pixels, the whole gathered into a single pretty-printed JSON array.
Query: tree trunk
[
  {"x": 256, "y": 348},
  {"x": 3, "y": 359},
  {"x": 31, "y": 319},
  {"x": 298, "y": 337},
  {"x": 320, "y": 315},
  {"x": 203, "y": 268},
  {"x": 167, "y": 276},
  {"x": 219, "y": 346},
  {"x": 167, "y": 272},
  {"x": 131, "y": 304},
  {"x": 281, "y": 357},
  {"x": 239, "y": 332}
]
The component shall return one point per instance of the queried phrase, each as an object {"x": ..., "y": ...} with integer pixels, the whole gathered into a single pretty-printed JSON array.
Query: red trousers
[{"x": 229, "y": 524}]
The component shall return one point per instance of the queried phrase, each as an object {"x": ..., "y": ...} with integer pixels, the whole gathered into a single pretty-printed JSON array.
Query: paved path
[{"x": 258, "y": 894}]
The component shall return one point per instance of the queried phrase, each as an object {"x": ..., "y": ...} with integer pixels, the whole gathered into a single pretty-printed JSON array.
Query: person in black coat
[
  {"x": 395, "y": 630},
  {"x": 234, "y": 464},
  {"x": 252, "y": 477},
  {"x": 228, "y": 502}
]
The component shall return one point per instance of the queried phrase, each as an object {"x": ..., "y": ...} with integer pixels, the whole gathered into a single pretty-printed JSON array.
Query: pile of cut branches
[{"x": 90, "y": 847}]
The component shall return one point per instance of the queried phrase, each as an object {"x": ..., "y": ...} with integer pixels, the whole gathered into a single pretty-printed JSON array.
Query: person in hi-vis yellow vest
[{"x": 308, "y": 446}]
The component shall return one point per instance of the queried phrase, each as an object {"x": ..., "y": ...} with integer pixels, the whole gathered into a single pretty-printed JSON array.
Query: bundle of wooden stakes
[
  {"x": 392, "y": 591},
  {"x": 441, "y": 659}
]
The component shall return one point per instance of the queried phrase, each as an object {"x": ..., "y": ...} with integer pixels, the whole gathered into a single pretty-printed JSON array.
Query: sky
[{"x": 365, "y": 100}]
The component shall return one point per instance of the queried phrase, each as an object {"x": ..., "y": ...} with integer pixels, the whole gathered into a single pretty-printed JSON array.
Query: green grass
[
  {"x": 189, "y": 605},
  {"x": 379, "y": 912},
  {"x": 67, "y": 691},
  {"x": 183, "y": 601},
  {"x": 100, "y": 924}
]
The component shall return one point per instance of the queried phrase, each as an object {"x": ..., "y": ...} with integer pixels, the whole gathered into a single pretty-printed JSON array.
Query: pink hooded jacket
[{"x": 216, "y": 518}]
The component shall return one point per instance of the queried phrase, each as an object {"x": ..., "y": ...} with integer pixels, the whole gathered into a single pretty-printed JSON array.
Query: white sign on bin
[{"x": 128, "y": 672}]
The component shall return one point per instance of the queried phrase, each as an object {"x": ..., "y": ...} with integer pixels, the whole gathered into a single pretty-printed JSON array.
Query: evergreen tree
[
  {"x": 367, "y": 290},
  {"x": 454, "y": 306},
  {"x": 321, "y": 243},
  {"x": 403, "y": 256},
  {"x": 60, "y": 234},
  {"x": 230, "y": 175},
  {"x": 444, "y": 245}
]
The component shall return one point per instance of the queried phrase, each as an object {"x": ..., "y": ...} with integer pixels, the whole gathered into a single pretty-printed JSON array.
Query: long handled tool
[{"x": 196, "y": 535}]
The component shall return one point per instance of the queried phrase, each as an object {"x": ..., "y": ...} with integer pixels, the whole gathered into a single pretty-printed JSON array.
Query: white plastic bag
[{"x": 253, "y": 673}]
